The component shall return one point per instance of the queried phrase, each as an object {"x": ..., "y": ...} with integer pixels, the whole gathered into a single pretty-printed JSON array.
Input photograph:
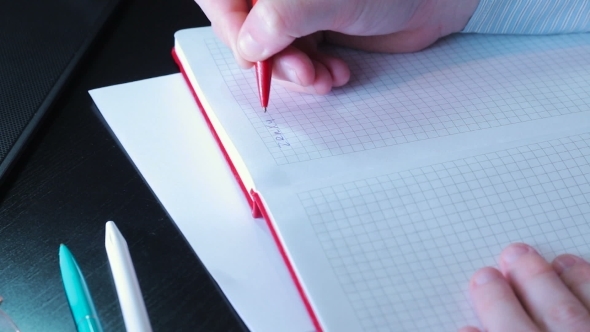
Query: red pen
[{"x": 263, "y": 77}]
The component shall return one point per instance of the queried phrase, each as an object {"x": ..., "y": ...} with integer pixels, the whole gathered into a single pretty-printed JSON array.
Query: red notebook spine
[
  {"x": 255, "y": 202},
  {"x": 281, "y": 248},
  {"x": 255, "y": 210}
]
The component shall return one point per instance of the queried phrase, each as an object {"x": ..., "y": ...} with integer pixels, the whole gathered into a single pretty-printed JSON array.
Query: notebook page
[
  {"x": 463, "y": 84},
  {"x": 401, "y": 246},
  {"x": 467, "y": 92}
]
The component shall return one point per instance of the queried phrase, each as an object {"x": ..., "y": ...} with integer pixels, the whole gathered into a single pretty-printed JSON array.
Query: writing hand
[
  {"x": 529, "y": 294},
  {"x": 291, "y": 30}
]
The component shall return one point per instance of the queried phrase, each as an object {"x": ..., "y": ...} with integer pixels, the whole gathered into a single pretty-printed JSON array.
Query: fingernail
[
  {"x": 292, "y": 75},
  {"x": 563, "y": 263},
  {"x": 513, "y": 252},
  {"x": 249, "y": 47},
  {"x": 484, "y": 276}
]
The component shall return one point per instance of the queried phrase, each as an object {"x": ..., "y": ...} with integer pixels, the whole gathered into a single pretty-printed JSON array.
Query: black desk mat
[{"x": 41, "y": 42}]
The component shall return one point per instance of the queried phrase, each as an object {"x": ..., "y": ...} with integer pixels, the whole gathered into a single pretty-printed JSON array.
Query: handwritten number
[{"x": 274, "y": 128}]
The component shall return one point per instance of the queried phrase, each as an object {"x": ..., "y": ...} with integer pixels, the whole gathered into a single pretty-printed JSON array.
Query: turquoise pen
[{"x": 77, "y": 293}]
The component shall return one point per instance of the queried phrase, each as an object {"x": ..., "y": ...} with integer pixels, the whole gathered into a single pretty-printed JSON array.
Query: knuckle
[
  {"x": 496, "y": 298},
  {"x": 578, "y": 275},
  {"x": 535, "y": 268},
  {"x": 273, "y": 19},
  {"x": 568, "y": 313}
]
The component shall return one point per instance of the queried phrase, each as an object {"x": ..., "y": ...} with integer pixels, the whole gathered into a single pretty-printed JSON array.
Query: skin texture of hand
[
  {"x": 291, "y": 30},
  {"x": 529, "y": 294}
]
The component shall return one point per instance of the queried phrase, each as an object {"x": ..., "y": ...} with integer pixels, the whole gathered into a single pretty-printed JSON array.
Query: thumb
[{"x": 272, "y": 25}]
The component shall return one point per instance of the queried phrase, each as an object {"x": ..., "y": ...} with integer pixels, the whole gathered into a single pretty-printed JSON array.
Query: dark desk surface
[{"x": 73, "y": 177}]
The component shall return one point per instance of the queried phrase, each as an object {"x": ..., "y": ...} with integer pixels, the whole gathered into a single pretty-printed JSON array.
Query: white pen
[{"x": 130, "y": 299}]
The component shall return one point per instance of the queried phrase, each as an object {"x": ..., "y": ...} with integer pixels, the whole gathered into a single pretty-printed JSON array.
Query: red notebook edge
[
  {"x": 255, "y": 202},
  {"x": 255, "y": 210}
]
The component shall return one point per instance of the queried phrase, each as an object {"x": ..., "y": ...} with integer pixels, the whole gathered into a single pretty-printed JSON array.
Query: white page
[
  {"x": 401, "y": 246},
  {"x": 467, "y": 96},
  {"x": 464, "y": 93},
  {"x": 160, "y": 127}
]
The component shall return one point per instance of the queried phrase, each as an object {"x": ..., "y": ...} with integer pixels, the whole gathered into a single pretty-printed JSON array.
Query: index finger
[
  {"x": 543, "y": 294},
  {"x": 272, "y": 25},
  {"x": 496, "y": 304},
  {"x": 227, "y": 18}
]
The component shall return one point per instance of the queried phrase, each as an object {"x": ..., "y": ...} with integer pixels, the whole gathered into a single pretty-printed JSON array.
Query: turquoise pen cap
[{"x": 77, "y": 293}]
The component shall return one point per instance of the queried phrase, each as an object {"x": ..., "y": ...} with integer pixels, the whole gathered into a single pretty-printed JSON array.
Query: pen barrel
[
  {"x": 89, "y": 324},
  {"x": 126, "y": 284},
  {"x": 263, "y": 78},
  {"x": 77, "y": 293}
]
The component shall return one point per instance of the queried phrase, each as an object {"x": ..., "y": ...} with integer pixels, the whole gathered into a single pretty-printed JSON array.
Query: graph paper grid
[
  {"x": 461, "y": 84},
  {"x": 404, "y": 246}
]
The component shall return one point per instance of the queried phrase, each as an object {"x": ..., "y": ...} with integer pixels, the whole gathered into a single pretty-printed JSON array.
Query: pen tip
[
  {"x": 264, "y": 109},
  {"x": 63, "y": 250}
]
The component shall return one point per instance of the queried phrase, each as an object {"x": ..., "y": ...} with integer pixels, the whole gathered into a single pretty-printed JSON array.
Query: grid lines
[
  {"x": 404, "y": 246},
  {"x": 461, "y": 84}
]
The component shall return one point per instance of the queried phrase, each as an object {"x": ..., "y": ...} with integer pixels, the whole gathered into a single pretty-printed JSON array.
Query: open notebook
[{"x": 387, "y": 194}]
